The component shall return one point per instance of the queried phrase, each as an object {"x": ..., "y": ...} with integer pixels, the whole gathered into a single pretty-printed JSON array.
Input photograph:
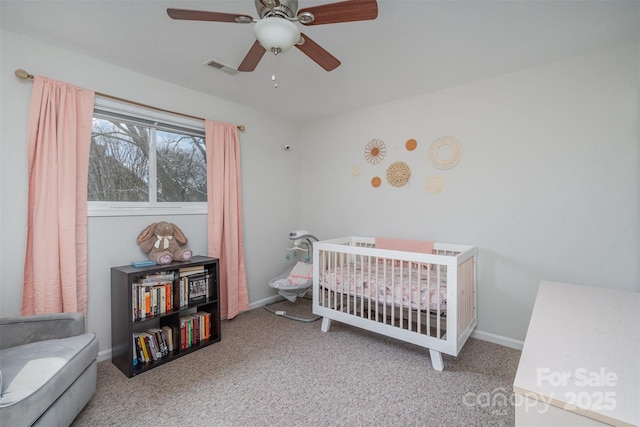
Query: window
[{"x": 143, "y": 162}]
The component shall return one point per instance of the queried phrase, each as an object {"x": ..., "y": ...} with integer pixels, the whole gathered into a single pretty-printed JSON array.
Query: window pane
[
  {"x": 182, "y": 168},
  {"x": 118, "y": 162}
]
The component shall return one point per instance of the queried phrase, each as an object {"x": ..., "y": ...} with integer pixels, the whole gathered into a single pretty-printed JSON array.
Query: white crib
[{"x": 428, "y": 299}]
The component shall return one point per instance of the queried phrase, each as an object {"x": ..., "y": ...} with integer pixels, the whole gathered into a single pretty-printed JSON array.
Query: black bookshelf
[{"x": 163, "y": 302}]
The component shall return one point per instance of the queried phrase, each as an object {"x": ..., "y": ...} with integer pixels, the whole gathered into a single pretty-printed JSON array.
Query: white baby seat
[{"x": 296, "y": 281}]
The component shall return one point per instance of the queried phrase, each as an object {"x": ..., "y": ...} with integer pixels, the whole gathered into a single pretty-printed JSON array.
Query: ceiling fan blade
[
  {"x": 250, "y": 61},
  {"x": 199, "y": 15},
  {"x": 345, "y": 11},
  {"x": 314, "y": 51}
]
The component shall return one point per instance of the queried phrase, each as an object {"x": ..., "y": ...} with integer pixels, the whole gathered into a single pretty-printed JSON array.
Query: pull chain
[{"x": 275, "y": 66}]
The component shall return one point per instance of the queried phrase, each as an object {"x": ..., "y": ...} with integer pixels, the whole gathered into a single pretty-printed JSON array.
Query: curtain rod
[{"x": 22, "y": 74}]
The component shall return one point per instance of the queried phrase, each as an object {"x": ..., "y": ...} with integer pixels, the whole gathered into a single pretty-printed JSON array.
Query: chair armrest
[{"x": 21, "y": 330}]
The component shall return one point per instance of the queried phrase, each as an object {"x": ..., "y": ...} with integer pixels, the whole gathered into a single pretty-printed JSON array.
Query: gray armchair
[{"x": 48, "y": 369}]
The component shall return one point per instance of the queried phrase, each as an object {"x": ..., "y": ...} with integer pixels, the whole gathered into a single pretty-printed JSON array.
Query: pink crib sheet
[{"x": 410, "y": 287}]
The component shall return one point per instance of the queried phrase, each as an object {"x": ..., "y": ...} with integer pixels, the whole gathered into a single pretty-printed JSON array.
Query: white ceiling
[{"x": 413, "y": 47}]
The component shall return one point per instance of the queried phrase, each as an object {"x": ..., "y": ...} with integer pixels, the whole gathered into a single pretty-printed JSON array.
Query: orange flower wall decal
[{"x": 375, "y": 151}]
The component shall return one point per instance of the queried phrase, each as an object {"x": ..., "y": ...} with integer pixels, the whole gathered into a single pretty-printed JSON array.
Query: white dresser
[{"x": 580, "y": 364}]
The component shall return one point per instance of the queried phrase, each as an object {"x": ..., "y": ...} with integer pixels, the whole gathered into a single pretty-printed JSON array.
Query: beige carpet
[{"x": 272, "y": 371}]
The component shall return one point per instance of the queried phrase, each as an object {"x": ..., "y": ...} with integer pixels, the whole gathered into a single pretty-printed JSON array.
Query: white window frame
[{"x": 153, "y": 207}]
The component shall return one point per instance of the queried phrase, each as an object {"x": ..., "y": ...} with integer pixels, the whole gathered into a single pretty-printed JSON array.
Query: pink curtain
[
  {"x": 224, "y": 199},
  {"x": 59, "y": 136}
]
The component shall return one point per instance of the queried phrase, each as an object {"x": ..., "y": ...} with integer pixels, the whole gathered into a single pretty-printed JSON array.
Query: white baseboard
[
  {"x": 266, "y": 301},
  {"x": 104, "y": 355},
  {"x": 498, "y": 339}
]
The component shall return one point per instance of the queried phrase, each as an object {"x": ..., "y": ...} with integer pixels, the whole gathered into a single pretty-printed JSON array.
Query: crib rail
[
  {"x": 385, "y": 290},
  {"x": 426, "y": 299}
]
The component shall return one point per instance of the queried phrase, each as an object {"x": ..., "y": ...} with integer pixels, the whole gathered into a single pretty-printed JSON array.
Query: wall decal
[
  {"x": 456, "y": 152},
  {"x": 398, "y": 174},
  {"x": 435, "y": 184},
  {"x": 355, "y": 171},
  {"x": 411, "y": 144},
  {"x": 375, "y": 151},
  {"x": 376, "y": 181}
]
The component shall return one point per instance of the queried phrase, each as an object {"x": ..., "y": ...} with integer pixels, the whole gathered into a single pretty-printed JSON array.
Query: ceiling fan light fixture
[
  {"x": 244, "y": 19},
  {"x": 276, "y": 34},
  {"x": 306, "y": 18}
]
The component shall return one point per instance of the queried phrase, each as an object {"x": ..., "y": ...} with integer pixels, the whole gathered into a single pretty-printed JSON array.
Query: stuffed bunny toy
[{"x": 163, "y": 240}]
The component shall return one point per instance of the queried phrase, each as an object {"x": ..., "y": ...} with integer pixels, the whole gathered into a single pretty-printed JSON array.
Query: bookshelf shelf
[{"x": 162, "y": 312}]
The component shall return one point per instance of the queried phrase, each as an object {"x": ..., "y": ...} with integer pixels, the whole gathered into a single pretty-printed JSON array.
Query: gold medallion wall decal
[
  {"x": 411, "y": 144},
  {"x": 376, "y": 182},
  {"x": 454, "y": 158},
  {"x": 435, "y": 184},
  {"x": 398, "y": 174},
  {"x": 375, "y": 151}
]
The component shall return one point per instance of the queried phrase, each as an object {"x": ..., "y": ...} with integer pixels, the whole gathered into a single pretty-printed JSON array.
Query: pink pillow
[
  {"x": 404, "y": 245},
  {"x": 417, "y": 246}
]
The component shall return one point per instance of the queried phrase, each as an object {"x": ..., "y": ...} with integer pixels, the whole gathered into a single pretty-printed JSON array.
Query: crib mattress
[{"x": 414, "y": 287}]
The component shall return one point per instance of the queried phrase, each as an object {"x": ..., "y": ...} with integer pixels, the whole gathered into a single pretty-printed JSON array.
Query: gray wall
[{"x": 547, "y": 188}]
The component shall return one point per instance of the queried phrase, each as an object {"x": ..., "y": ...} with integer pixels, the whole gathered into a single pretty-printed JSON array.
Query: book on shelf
[
  {"x": 194, "y": 288},
  {"x": 186, "y": 332},
  {"x": 197, "y": 289},
  {"x": 184, "y": 320},
  {"x": 159, "y": 277},
  {"x": 154, "y": 352},
  {"x": 163, "y": 300},
  {"x": 205, "y": 330},
  {"x": 161, "y": 341},
  {"x": 135, "y": 353},
  {"x": 151, "y": 296},
  {"x": 169, "y": 334},
  {"x": 194, "y": 328},
  {"x": 156, "y": 343},
  {"x": 153, "y": 344},
  {"x": 141, "y": 347},
  {"x": 188, "y": 271},
  {"x": 190, "y": 340}
]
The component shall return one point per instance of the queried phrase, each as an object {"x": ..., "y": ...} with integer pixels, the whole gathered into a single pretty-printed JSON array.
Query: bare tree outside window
[
  {"x": 124, "y": 158},
  {"x": 118, "y": 162},
  {"x": 182, "y": 168}
]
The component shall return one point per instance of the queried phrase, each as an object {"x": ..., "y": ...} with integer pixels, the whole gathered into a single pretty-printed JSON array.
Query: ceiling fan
[{"x": 276, "y": 31}]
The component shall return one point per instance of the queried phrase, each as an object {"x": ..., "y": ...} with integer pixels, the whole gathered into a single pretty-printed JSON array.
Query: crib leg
[
  {"x": 326, "y": 324},
  {"x": 436, "y": 360}
]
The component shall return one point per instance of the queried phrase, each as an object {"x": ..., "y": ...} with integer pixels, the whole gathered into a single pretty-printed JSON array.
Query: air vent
[{"x": 220, "y": 66}]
